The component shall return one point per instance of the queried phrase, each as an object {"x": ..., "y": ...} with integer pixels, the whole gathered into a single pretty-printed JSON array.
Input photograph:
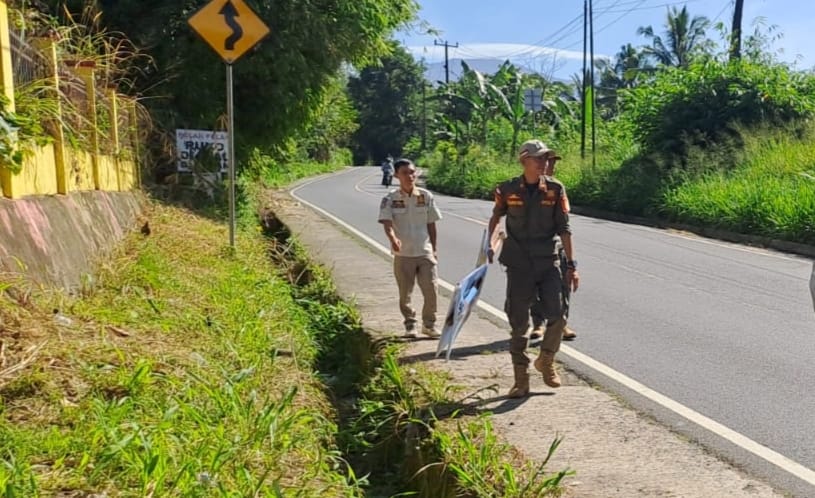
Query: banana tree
[
  {"x": 471, "y": 105},
  {"x": 474, "y": 91},
  {"x": 508, "y": 89}
]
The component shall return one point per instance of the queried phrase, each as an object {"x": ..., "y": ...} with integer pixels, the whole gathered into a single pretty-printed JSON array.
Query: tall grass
[
  {"x": 760, "y": 182},
  {"x": 485, "y": 466},
  {"x": 771, "y": 192},
  {"x": 273, "y": 173},
  {"x": 184, "y": 371}
]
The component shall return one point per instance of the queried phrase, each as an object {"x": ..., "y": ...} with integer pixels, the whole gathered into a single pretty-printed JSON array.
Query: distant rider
[{"x": 387, "y": 171}]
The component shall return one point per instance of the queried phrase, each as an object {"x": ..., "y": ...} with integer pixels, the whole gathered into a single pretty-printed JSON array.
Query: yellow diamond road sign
[{"x": 230, "y": 27}]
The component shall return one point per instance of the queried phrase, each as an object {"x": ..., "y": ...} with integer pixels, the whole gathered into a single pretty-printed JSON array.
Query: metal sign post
[
  {"x": 231, "y": 28},
  {"x": 230, "y": 111}
]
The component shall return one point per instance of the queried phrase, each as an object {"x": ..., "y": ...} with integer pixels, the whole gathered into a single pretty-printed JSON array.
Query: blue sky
[{"x": 546, "y": 35}]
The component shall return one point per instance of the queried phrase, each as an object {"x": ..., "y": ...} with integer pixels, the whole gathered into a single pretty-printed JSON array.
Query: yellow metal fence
[{"x": 111, "y": 161}]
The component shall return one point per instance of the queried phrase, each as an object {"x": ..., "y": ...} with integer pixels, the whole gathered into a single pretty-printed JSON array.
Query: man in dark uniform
[{"x": 537, "y": 212}]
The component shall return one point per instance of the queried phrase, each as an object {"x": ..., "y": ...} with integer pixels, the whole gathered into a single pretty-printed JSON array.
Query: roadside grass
[
  {"x": 274, "y": 174},
  {"x": 483, "y": 465},
  {"x": 760, "y": 183},
  {"x": 413, "y": 426},
  {"x": 185, "y": 370},
  {"x": 770, "y": 193}
]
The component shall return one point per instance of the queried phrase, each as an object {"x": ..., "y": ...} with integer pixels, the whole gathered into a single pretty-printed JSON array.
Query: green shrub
[{"x": 701, "y": 104}]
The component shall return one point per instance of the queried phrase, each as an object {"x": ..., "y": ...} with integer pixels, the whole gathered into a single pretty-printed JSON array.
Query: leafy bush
[{"x": 701, "y": 104}]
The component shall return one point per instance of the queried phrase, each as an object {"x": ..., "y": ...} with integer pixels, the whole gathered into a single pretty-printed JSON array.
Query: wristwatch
[{"x": 571, "y": 264}]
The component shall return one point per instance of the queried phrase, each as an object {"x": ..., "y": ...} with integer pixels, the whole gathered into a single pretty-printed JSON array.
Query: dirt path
[{"x": 615, "y": 451}]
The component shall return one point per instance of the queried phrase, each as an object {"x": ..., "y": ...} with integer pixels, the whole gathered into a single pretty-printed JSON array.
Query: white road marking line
[{"x": 784, "y": 463}]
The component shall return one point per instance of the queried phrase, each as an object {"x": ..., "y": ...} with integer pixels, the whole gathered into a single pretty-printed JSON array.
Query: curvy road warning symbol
[{"x": 230, "y": 27}]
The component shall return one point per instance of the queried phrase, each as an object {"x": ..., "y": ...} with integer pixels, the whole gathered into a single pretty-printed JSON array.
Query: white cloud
[{"x": 503, "y": 51}]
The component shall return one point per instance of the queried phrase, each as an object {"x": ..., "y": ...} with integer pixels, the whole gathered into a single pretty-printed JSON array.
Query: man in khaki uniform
[
  {"x": 537, "y": 212},
  {"x": 537, "y": 315},
  {"x": 409, "y": 215},
  {"x": 548, "y": 169}
]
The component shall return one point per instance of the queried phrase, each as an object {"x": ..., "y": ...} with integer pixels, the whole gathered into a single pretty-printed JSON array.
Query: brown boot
[
  {"x": 568, "y": 334},
  {"x": 521, "y": 387},
  {"x": 536, "y": 333},
  {"x": 545, "y": 364}
]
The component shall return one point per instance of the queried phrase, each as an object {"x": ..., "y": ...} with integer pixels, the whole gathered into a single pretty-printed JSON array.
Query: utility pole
[
  {"x": 735, "y": 35},
  {"x": 424, "y": 114},
  {"x": 446, "y": 46},
  {"x": 583, "y": 82},
  {"x": 593, "y": 96}
]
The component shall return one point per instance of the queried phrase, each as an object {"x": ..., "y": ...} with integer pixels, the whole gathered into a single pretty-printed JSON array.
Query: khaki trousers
[{"x": 412, "y": 270}]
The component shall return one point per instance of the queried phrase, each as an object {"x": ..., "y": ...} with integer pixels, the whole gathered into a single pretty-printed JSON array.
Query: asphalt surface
[{"x": 726, "y": 330}]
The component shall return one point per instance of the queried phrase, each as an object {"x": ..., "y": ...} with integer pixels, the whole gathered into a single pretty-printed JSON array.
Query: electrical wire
[{"x": 727, "y": 4}]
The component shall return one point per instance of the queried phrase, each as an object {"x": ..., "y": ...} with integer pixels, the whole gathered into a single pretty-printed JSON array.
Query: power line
[
  {"x": 618, "y": 19},
  {"x": 651, "y": 7},
  {"x": 727, "y": 4},
  {"x": 549, "y": 43},
  {"x": 628, "y": 11},
  {"x": 533, "y": 49}
]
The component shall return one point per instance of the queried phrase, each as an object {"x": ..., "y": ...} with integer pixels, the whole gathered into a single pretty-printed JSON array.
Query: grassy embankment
[
  {"x": 186, "y": 370},
  {"x": 763, "y": 185}
]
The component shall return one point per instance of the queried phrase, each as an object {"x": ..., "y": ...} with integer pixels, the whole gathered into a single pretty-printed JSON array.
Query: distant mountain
[{"x": 435, "y": 70}]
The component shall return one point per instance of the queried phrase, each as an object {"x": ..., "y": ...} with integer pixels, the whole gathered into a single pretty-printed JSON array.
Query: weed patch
[{"x": 185, "y": 371}]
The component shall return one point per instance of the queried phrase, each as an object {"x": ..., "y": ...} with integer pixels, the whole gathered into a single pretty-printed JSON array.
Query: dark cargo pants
[
  {"x": 537, "y": 316},
  {"x": 542, "y": 286}
]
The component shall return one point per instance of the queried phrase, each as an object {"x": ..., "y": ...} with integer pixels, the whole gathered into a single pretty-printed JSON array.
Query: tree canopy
[
  {"x": 279, "y": 85},
  {"x": 387, "y": 98}
]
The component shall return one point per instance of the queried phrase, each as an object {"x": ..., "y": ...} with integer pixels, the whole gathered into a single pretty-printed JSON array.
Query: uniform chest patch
[
  {"x": 398, "y": 204},
  {"x": 515, "y": 200},
  {"x": 420, "y": 200}
]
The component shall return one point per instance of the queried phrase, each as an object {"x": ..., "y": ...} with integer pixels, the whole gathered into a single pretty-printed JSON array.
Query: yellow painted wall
[
  {"x": 127, "y": 170},
  {"x": 80, "y": 169},
  {"x": 38, "y": 175},
  {"x": 39, "y": 172},
  {"x": 108, "y": 179}
]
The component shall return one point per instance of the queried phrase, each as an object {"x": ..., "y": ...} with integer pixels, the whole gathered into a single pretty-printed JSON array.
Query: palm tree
[
  {"x": 626, "y": 70},
  {"x": 629, "y": 68},
  {"x": 685, "y": 38}
]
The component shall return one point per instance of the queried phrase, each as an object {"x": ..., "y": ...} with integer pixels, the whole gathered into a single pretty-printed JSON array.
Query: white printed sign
[
  {"x": 462, "y": 303},
  {"x": 189, "y": 144}
]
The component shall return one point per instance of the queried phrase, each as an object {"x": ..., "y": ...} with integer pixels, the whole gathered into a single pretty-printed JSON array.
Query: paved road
[{"x": 725, "y": 330}]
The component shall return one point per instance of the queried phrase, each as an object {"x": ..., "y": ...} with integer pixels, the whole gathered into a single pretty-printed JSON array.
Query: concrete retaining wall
[{"x": 57, "y": 239}]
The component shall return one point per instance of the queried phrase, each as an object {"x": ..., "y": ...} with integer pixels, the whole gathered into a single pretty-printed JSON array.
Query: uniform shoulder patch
[
  {"x": 384, "y": 203},
  {"x": 564, "y": 203}
]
